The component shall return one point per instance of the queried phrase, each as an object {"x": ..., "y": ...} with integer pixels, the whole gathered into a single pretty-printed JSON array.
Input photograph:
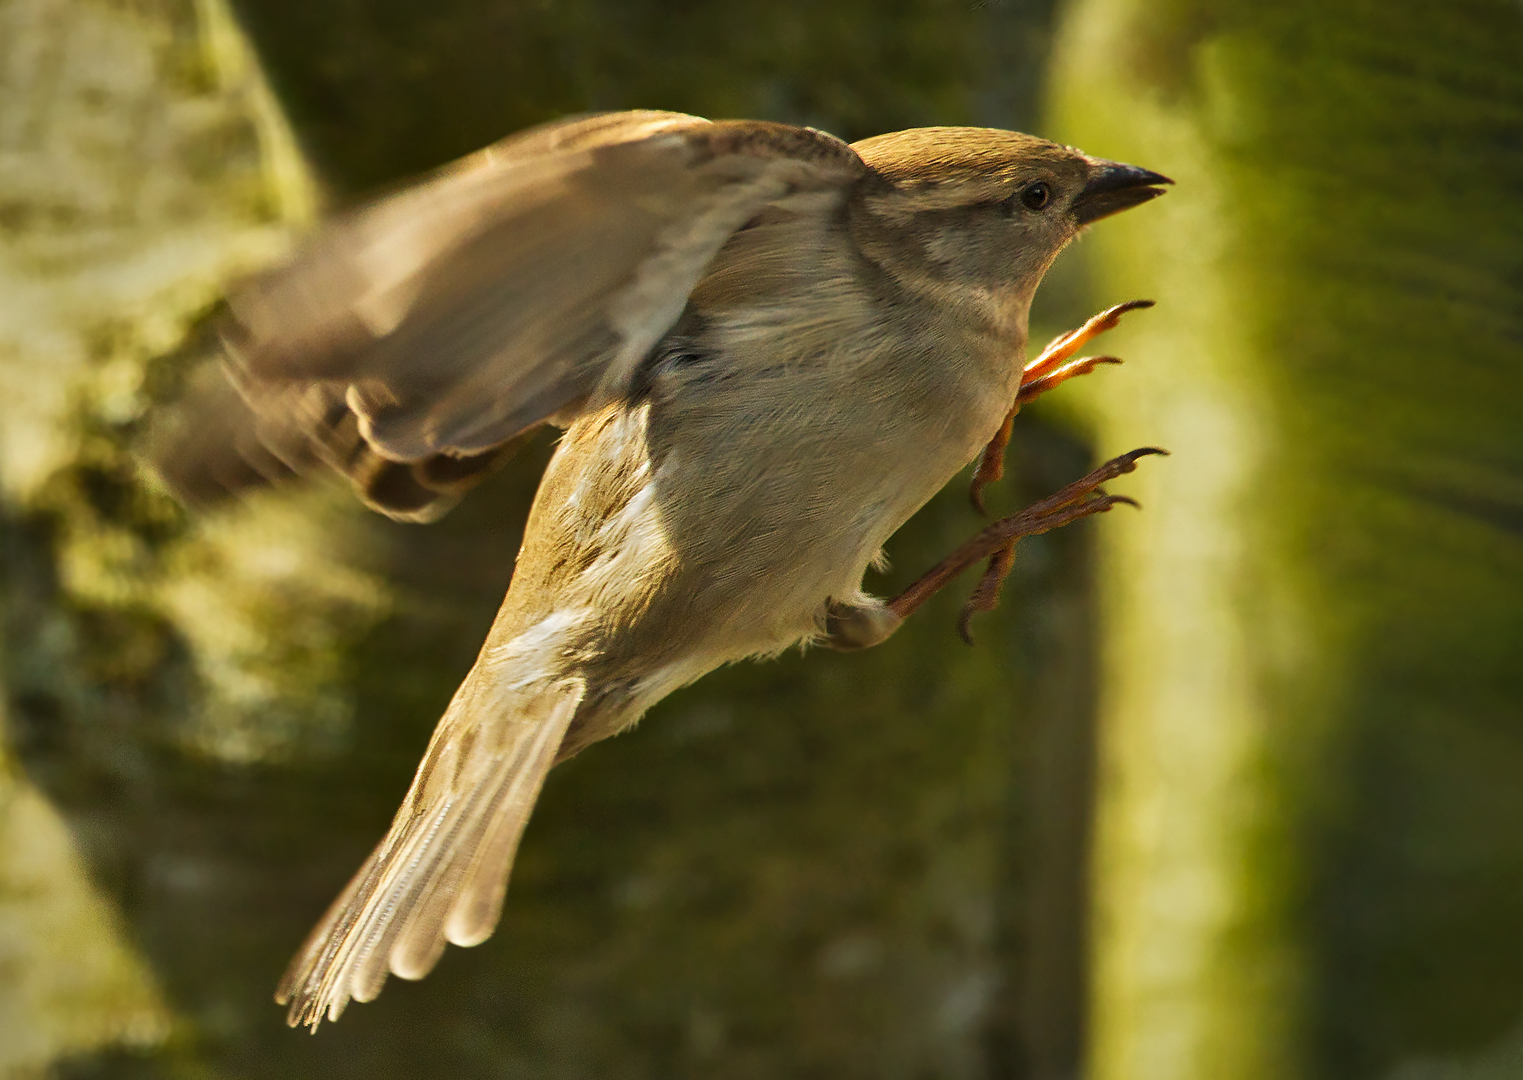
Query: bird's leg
[
  {"x": 1078, "y": 500},
  {"x": 1051, "y": 369}
]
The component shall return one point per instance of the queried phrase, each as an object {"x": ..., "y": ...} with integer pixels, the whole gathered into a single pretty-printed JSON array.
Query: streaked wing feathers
[
  {"x": 518, "y": 283},
  {"x": 212, "y": 446}
]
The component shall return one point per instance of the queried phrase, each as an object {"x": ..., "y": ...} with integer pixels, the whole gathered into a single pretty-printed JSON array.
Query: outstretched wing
[{"x": 514, "y": 286}]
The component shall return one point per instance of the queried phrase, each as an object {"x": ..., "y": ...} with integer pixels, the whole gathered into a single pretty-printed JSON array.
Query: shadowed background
[{"x": 1232, "y": 787}]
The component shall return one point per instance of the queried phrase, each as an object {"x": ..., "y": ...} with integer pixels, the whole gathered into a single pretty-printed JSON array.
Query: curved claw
[
  {"x": 1128, "y": 461},
  {"x": 976, "y": 494},
  {"x": 1110, "y": 317},
  {"x": 1033, "y": 387},
  {"x": 1060, "y": 348},
  {"x": 965, "y": 624},
  {"x": 1121, "y": 309}
]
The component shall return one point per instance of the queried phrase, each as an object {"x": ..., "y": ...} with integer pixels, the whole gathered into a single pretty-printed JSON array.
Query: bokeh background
[{"x": 1231, "y": 787}]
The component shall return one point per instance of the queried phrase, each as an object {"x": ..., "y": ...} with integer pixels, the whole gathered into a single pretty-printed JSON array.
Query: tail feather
[
  {"x": 442, "y": 870},
  {"x": 474, "y": 913}
]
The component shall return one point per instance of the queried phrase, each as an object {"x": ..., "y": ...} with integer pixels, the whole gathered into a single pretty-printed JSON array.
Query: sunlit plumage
[{"x": 768, "y": 349}]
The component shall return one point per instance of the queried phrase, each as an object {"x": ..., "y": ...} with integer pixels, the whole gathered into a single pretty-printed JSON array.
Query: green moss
[
  {"x": 389, "y": 87},
  {"x": 828, "y": 865},
  {"x": 1339, "y": 281}
]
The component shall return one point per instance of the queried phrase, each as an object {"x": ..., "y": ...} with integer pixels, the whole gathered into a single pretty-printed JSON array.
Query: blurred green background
[{"x": 1231, "y": 787}]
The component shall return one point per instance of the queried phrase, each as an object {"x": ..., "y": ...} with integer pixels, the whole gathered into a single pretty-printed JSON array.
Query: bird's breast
[{"x": 770, "y": 446}]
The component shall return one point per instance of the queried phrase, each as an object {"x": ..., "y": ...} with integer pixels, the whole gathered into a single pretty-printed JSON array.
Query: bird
[{"x": 766, "y": 349}]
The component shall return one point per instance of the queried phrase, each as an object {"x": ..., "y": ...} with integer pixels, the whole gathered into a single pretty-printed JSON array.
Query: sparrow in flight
[{"x": 767, "y": 349}]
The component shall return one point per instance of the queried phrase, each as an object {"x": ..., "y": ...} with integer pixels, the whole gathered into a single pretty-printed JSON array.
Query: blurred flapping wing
[{"x": 515, "y": 286}]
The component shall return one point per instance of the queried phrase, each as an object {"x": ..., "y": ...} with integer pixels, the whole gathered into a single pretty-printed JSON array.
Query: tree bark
[{"x": 1311, "y": 831}]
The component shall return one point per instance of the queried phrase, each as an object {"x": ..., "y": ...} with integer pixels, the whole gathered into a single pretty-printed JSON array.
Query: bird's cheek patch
[{"x": 947, "y": 246}]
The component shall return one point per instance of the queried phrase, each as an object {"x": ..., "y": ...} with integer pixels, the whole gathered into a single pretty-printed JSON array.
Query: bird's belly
[
  {"x": 716, "y": 518},
  {"x": 782, "y": 505},
  {"x": 667, "y": 540}
]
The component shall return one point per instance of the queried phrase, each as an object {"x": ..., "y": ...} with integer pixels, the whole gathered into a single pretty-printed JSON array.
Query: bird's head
[{"x": 980, "y": 211}]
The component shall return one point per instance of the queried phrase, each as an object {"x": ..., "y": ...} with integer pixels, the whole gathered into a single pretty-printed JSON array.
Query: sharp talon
[
  {"x": 1099, "y": 502},
  {"x": 1108, "y": 318},
  {"x": 986, "y": 595},
  {"x": 1127, "y": 462},
  {"x": 976, "y": 497}
]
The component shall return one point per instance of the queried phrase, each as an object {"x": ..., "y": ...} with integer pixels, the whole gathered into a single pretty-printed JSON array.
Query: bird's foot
[
  {"x": 1051, "y": 369},
  {"x": 1078, "y": 500},
  {"x": 852, "y": 627}
]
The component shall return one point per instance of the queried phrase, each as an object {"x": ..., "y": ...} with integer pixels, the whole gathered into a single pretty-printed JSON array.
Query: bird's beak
[{"x": 1114, "y": 187}]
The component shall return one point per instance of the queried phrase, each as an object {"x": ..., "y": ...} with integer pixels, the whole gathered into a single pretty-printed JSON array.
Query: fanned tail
[{"x": 441, "y": 872}]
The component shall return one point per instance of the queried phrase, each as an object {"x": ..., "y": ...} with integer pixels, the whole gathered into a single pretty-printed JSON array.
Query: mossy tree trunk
[
  {"x": 835, "y": 865},
  {"x": 1311, "y": 830}
]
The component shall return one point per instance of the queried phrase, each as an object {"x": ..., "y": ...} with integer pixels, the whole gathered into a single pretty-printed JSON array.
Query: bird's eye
[{"x": 1035, "y": 197}]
